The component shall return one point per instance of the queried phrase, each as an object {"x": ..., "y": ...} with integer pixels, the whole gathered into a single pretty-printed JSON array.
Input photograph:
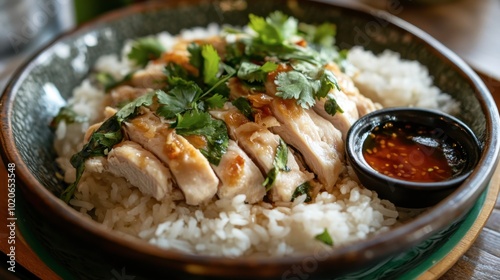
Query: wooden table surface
[{"x": 468, "y": 27}]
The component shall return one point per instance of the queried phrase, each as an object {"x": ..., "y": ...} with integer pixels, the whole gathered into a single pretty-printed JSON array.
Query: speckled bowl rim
[{"x": 361, "y": 253}]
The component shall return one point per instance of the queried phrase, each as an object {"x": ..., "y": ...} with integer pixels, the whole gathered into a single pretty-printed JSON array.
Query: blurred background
[{"x": 468, "y": 27}]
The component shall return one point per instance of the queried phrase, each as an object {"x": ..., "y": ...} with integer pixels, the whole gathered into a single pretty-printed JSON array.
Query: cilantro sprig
[
  {"x": 252, "y": 72},
  {"x": 145, "y": 49},
  {"x": 273, "y": 38},
  {"x": 279, "y": 165},
  {"x": 214, "y": 131},
  {"x": 302, "y": 189},
  {"x": 306, "y": 90},
  {"x": 244, "y": 106}
]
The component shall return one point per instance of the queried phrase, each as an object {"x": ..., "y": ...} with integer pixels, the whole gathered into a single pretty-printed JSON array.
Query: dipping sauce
[{"x": 411, "y": 152}]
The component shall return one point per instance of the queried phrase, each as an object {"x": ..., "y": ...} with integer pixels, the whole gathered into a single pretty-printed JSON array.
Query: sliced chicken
[
  {"x": 341, "y": 121},
  {"x": 260, "y": 145},
  {"x": 239, "y": 175},
  {"x": 364, "y": 105},
  {"x": 300, "y": 131},
  {"x": 138, "y": 166},
  {"x": 191, "y": 170},
  {"x": 328, "y": 133},
  {"x": 123, "y": 94},
  {"x": 151, "y": 77}
]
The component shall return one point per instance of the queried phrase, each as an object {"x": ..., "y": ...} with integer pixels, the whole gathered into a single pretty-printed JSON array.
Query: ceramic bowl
[
  {"x": 89, "y": 251},
  {"x": 435, "y": 136}
]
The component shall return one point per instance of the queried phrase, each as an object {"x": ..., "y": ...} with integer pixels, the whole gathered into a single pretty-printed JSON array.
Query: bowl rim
[
  {"x": 417, "y": 230},
  {"x": 364, "y": 124}
]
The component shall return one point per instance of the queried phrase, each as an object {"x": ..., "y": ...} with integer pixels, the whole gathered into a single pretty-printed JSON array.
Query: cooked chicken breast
[
  {"x": 300, "y": 131},
  {"x": 239, "y": 175},
  {"x": 260, "y": 145},
  {"x": 328, "y": 133},
  {"x": 138, "y": 166},
  {"x": 191, "y": 170}
]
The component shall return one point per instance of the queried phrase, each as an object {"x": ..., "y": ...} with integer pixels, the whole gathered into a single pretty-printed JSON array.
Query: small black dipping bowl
[{"x": 405, "y": 192}]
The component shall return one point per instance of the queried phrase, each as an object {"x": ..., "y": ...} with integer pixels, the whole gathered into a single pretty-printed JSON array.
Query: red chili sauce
[{"x": 411, "y": 152}]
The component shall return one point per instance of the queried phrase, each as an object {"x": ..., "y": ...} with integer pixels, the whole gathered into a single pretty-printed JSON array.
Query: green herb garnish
[
  {"x": 245, "y": 107},
  {"x": 332, "y": 107},
  {"x": 304, "y": 188},
  {"x": 251, "y": 72},
  {"x": 214, "y": 131},
  {"x": 145, "y": 49},
  {"x": 279, "y": 164},
  {"x": 325, "y": 238}
]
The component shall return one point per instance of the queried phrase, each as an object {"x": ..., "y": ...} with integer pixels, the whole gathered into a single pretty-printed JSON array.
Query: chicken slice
[
  {"x": 328, "y": 133},
  {"x": 239, "y": 175},
  {"x": 299, "y": 130},
  {"x": 191, "y": 170},
  {"x": 341, "y": 121},
  {"x": 151, "y": 77},
  {"x": 138, "y": 166},
  {"x": 260, "y": 145}
]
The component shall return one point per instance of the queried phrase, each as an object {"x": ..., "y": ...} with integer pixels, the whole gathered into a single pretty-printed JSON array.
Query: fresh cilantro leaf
[
  {"x": 195, "y": 58},
  {"x": 220, "y": 85},
  {"x": 130, "y": 109},
  {"x": 67, "y": 115},
  {"x": 287, "y": 26},
  {"x": 214, "y": 131},
  {"x": 325, "y": 238},
  {"x": 281, "y": 156},
  {"x": 275, "y": 29},
  {"x": 211, "y": 61},
  {"x": 215, "y": 101},
  {"x": 218, "y": 141},
  {"x": 255, "y": 73},
  {"x": 244, "y": 106},
  {"x": 295, "y": 85},
  {"x": 303, "y": 88},
  {"x": 332, "y": 107},
  {"x": 322, "y": 35},
  {"x": 145, "y": 49},
  {"x": 279, "y": 164},
  {"x": 191, "y": 123},
  {"x": 235, "y": 53},
  {"x": 270, "y": 178},
  {"x": 266, "y": 32},
  {"x": 269, "y": 66},
  {"x": 177, "y": 100},
  {"x": 327, "y": 83},
  {"x": 302, "y": 189}
]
